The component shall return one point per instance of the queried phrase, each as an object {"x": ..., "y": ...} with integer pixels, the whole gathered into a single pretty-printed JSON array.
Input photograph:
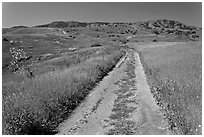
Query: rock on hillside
[
  {"x": 164, "y": 26},
  {"x": 167, "y": 24}
]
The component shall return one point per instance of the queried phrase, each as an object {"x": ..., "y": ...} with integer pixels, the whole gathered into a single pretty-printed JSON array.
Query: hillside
[
  {"x": 158, "y": 27},
  {"x": 160, "y": 23}
]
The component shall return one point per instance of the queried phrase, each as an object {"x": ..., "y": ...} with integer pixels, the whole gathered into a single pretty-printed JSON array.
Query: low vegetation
[
  {"x": 174, "y": 74},
  {"x": 41, "y": 103}
]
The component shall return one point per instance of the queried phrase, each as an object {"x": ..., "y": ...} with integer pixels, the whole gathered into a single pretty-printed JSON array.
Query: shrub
[
  {"x": 5, "y": 39},
  {"x": 96, "y": 45}
]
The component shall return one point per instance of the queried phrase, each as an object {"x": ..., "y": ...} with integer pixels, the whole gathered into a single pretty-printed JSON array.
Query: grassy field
[
  {"x": 65, "y": 66},
  {"x": 38, "y": 105},
  {"x": 175, "y": 75},
  {"x": 61, "y": 77},
  {"x": 49, "y": 50}
]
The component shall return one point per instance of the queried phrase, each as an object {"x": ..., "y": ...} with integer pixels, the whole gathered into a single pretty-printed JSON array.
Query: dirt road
[{"x": 120, "y": 104}]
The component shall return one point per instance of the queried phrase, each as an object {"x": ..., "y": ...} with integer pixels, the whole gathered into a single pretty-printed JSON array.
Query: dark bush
[
  {"x": 96, "y": 45},
  {"x": 123, "y": 41},
  {"x": 5, "y": 39}
]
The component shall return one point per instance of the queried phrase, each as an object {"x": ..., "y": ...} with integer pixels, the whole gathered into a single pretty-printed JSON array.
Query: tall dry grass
[
  {"x": 40, "y": 104},
  {"x": 175, "y": 76}
]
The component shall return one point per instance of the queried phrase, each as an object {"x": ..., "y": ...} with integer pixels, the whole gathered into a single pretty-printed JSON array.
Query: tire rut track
[
  {"x": 125, "y": 103},
  {"x": 120, "y": 105}
]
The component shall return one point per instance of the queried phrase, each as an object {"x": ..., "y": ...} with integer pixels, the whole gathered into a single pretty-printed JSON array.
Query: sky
[{"x": 32, "y": 14}]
